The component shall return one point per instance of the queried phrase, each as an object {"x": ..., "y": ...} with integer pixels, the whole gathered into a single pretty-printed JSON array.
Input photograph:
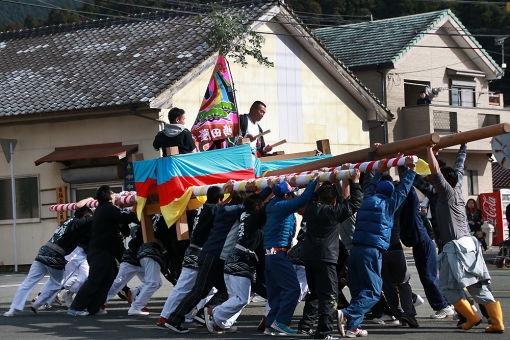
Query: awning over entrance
[
  {"x": 80, "y": 152},
  {"x": 464, "y": 73}
]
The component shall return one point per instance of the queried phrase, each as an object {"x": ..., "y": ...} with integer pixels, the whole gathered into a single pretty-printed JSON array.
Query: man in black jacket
[
  {"x": 249, "y": 128},
  {"x": 104, "y": 231},
  {"x": 51, "y": 260},
  {"x": 175, "y": 134},
  {"x": 321, "y": 248}
]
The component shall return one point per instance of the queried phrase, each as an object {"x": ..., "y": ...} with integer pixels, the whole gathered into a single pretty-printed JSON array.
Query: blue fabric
[
  {"x": 282, "y": 288},
  {"x": 425, "y": 258},
  {"x": 375, "y": 217},
  {"x": 365, "y": 282},
  {"x": 144, "y": 170},
  {"x": 280, "y": 218},
  {"x": 261, "y": 167},
  {"x": 204, "y": 163}
]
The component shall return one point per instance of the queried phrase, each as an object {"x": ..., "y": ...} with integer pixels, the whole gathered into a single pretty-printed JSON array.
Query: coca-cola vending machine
[{"x": 493, "y": 207}]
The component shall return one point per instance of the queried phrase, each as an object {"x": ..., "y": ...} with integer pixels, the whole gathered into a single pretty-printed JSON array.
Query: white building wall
[{"x": 38, "y": 140}]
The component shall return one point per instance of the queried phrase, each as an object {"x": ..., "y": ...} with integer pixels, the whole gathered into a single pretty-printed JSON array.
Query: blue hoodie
[
  {"x": 280, "y": 218},
  {"x": 375, "y": 217}
]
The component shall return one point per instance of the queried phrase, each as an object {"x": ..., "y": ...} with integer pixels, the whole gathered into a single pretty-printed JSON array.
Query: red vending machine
[{"x": 493, "y": 206}]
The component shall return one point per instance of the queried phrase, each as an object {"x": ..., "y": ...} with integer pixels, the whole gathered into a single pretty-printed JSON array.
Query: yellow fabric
[
  {"x": 173, "y": 211},
  {"x": 197, "y": 202},
  {"x": 140, "y": 201},
  {"x": 422, "y": 167}
]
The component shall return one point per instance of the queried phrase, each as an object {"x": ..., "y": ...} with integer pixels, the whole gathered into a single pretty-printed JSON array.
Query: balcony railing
[{"x": 444, "y": 120}]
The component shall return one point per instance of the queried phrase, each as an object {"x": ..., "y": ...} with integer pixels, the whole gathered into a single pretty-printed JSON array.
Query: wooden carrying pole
[
  {"x": 467, "y": 136},
  {"x": 384, "y": 150}
]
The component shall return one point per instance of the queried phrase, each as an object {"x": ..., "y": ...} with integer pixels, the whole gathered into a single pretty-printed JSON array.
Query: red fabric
[{"x": 175, "y": 188}]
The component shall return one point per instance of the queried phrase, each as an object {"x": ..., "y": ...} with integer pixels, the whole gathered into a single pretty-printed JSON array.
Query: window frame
[
  {"x": 458, "y": 87},
  {"x": 472, "y": 183},
  {"x": 25, "y": 220},
  {"x": 80, "y": 186}
]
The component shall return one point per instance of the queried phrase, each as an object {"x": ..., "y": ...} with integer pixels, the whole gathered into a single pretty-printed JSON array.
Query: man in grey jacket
[{"x": 461, "y": 264}]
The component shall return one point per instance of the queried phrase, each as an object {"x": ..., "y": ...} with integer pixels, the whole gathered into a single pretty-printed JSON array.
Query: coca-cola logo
[{"x": 489, "y": 209}]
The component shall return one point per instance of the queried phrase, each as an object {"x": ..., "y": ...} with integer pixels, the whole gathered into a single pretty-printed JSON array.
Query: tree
[
  {"x": 230, "y": 32},
  {"x": 30, "y": 22}
]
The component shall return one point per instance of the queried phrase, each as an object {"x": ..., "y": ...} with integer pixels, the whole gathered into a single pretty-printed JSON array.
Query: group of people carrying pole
[{"x": 243, "y": 244}]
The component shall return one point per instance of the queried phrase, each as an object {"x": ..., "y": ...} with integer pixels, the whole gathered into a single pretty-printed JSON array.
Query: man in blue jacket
[
  {"x": 281, "y": 280},
  {"x": 371, "y": 238}
]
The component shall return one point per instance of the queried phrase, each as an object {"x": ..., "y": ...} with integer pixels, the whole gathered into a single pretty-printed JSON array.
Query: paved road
[{"x": 56, "y": 324}]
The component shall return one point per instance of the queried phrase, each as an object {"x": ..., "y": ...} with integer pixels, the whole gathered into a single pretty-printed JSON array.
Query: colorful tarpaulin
[
  {"x": 217, "y": 119},
  {"x": 145, "y": 177},
  {"x": 262, "y": 167},
  {"x": 177, "y": 175}
]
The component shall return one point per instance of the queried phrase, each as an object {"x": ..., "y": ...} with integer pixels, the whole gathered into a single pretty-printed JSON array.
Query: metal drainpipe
[{"x": 383, "y": 99}]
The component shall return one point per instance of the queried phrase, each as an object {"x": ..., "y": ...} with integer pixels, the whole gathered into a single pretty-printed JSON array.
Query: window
[
  {"x": 472, "y": 182},
  {"x": 494, "y": 99},
  {"x": 445, "y": 122},
  {"x": 462, "y": 93},
  {"x": 463, "y": 96},
  {"x": 81, "y": 191},
  {"x": 412, "y": 89},
  {"x": 486, "y": 120},
  {"x": 27, "y": 199}
]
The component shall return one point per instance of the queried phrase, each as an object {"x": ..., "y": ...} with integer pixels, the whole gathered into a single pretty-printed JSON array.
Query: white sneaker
[
  {"x": 68, "y": 298},
  {"x": 355, "y": 333},
  {"x": 57, "y": 300},
  {"x": 101, "y": 312},
  {"x": 443, "y": 313},
  {"x": 386, "y": 319},
  {"x": 133, "y": 311},
  {"x": 44, "y": 307},
  {"x": 11, "y": 312},
  {"x": 258, "y": 298},
  {"x": 419, "y": 301}
]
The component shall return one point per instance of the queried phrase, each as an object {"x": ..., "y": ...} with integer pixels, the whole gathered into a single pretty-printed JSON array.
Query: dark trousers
[
  {"x": 425, "y": 258},
  {"x": 310, "y": 312},
  {"x": 395, "y": 273},
  {"x": 282, "y": 288},
  {"x": 94, "y": 291},
  {"x": 323, "y": 286},
  {"x": 210, "y": 274}
]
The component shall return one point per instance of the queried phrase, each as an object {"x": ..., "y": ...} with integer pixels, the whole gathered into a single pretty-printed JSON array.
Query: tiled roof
[
  {"x": 500, "y": 177},
  {"x": 101, "y": 63},
  {"x": 384, "y": 42}
]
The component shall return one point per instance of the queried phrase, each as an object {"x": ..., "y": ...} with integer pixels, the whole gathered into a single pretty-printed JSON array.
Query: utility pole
[
  {"x": 501, "y": 41},
  {"x": 8, "y": 149}
]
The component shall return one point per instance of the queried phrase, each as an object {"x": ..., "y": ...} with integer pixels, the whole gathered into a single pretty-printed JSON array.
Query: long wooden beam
[
  {"x": 466, "y": 137},
  {"x": 384, "y": 150}
]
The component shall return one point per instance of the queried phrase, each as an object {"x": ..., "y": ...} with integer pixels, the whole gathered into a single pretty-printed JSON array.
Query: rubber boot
[
  {"x": 464, "y": 307},
  {"x": 496, "y": 316}
]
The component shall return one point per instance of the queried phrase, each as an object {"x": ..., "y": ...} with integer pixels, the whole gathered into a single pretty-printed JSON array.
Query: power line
[
  {"x": 205, "y": 26},
  {"x": 351, "y": 27},
  {"x": 468, "y": 2}
]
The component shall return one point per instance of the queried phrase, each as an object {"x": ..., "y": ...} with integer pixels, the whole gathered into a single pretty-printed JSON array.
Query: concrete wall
[{"x": 38, "y": 140}]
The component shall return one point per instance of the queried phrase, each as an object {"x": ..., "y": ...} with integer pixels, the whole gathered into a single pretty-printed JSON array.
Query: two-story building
[
  {"x": 80, "y": 98},
  {"x": 400, "y": 57}
]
